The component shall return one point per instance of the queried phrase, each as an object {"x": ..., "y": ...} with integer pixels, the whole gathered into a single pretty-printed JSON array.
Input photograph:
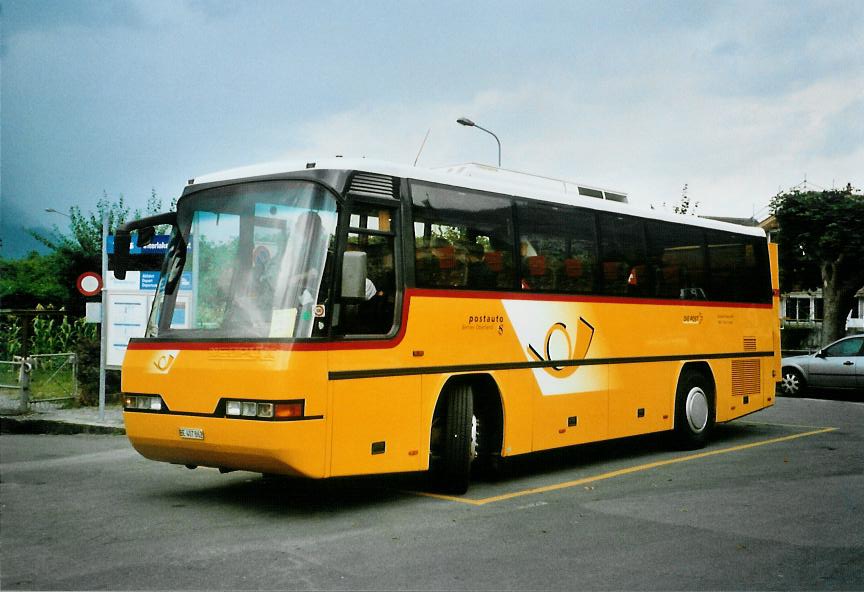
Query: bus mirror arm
[{"x": 146, "y": 228}]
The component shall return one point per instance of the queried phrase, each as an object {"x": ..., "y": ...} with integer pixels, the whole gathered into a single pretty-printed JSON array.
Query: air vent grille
[
  {"x": 746, "y": 377},
  {"x": 749, "y": 344},
  {"x": 373, "y": 185}
]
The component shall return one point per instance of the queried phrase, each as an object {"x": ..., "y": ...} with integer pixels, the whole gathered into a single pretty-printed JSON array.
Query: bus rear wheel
[
  {"x": 695, "y": 411},
  {"x": 453, "y": 471}
]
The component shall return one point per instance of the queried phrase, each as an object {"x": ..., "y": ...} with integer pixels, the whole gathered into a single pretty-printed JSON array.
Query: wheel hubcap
[
  {"x": 697, "y": 409},
  {"x": 790, "y": 384},
  {"x": 473, "y": 453}
]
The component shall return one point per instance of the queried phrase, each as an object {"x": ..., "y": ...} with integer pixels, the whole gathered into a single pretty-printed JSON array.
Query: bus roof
[{"x": 482, "y": 178}]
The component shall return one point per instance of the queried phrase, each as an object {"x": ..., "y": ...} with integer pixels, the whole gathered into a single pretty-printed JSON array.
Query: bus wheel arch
[
  {"x": 484, "y": 413},
  {"x": 695, "y": 405}
]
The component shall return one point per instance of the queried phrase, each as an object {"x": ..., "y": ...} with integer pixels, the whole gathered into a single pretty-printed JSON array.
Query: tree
[
  {"x": 50, "y": 279},
  {"x": 33, "y": 280},
  {"x": 821, "y": 242},
  {"x": 685, "y": 206}
]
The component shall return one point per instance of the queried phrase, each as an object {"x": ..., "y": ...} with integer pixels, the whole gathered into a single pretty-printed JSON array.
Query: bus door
[{"x": 375, "y": 411}]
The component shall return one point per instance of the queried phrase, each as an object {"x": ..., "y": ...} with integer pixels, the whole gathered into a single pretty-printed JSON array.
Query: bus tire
[
  {"x": 454, "y": 472},
  {"x": 695, "y": 410}
]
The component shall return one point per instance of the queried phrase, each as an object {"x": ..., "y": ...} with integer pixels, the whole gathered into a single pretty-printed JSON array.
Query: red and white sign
[{"x": 89, "y": 283}]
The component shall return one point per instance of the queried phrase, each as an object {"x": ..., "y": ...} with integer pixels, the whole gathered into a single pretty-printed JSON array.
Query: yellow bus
[{"x": 356, "y": 317}]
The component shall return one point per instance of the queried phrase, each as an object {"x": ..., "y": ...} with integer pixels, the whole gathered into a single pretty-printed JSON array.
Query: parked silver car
[{"x": 836, "y": 366}]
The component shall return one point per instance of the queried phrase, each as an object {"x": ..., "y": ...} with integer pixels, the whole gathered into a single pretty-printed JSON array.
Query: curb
[{"x": 13, "y": 425}]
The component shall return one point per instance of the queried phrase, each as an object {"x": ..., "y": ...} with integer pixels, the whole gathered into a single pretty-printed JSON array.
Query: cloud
[
  {"x": 737, "y": 99},
  {"x": 733, "y": 151}
]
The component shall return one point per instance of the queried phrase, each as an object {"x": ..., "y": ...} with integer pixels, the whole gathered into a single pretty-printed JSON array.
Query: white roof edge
[
  {"x": 445, "y": 178},
  {"x": 522, "y": 178}
]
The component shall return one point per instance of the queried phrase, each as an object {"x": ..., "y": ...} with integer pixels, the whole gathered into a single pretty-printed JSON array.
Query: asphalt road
[{"x": 775, "y": 502}]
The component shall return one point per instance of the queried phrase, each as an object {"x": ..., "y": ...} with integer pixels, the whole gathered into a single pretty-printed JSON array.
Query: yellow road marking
[
  {"x": 619, "y": 472},
  {"x": 779, "y": 425}
]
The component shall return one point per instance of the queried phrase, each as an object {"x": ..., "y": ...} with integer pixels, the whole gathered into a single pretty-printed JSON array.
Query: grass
[{"x": 49, "y": 380}]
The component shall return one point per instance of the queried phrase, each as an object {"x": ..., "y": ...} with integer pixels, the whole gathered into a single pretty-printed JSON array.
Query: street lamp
[
  {"x": 468, "y": 123},
  {"x": 53, "y": 211}
]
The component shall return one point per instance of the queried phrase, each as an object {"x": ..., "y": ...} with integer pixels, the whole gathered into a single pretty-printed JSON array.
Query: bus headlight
[
  {"x": 143, "y": 402},
  {"x": 248, "y": 409}
]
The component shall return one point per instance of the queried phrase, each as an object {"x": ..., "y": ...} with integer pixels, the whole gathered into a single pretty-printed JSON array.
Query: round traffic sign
[{"x": 89, "y": 283}]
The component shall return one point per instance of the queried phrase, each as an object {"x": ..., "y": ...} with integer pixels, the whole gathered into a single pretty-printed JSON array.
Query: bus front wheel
[
  {"x": 694, "y": 410},
  {"x": 455, "y": 443}
]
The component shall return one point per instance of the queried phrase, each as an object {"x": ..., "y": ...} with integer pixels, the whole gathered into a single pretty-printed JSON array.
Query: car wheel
[{"x": 792, "y": 383}]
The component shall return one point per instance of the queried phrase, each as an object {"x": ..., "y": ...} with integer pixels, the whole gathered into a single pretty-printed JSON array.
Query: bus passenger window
[
  {"x": 462, "y": 239},
  {"x": 676, "y": 256},
  {"x": 737, "y": 266},
  {"x": 622, "y": 248},
  {"x": 557, "y": 247}
]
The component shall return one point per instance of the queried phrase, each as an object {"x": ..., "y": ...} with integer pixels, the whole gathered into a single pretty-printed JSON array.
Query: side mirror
[
  {"x": 146, "y": 228},
  {"x": 121, "y": 253},
  {"x": 820, "y": 354},
  {"x": 354, "y": 275},
  {"x": 145, "y": 236}
]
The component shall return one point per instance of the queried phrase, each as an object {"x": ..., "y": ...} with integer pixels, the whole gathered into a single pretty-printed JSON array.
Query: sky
[{"x": 738, "y": 100}]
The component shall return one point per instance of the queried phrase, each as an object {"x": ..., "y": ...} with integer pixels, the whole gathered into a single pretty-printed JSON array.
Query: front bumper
[{"x": 282, "y": 447}]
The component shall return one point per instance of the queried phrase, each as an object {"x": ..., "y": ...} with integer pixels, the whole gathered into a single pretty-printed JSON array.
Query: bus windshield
[{"x": 249, "y": 260}]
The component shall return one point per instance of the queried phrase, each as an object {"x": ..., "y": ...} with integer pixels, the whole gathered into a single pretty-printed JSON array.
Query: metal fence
[{"x": 41, "y": 379}]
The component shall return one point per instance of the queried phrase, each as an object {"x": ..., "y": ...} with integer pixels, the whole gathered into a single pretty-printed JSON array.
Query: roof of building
[{"x": 739, "y": 221}]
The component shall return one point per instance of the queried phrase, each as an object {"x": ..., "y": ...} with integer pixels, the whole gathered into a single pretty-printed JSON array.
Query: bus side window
[
  {"x": 738, "y": 267},
  {"x": 676, "y": 253},
  {"x": 558, "y": 249},
  {"x": 462, "y": 239},
  {"x": 622, "y": 251}
]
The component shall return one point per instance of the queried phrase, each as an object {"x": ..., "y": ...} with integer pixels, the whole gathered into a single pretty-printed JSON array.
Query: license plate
[{"x": 192, "y": 433}]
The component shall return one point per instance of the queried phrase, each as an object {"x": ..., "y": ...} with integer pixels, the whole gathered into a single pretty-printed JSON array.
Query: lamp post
[{"x": 468, "y": 123}]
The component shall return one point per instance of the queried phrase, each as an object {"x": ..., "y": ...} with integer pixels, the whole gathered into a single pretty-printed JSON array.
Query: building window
[
  {"x": 798, "y": 309},
  {"x": 818, "y": 309}
]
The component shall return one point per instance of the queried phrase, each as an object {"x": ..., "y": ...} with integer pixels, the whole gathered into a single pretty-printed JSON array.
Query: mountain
[{"x": 16, "y": 241}]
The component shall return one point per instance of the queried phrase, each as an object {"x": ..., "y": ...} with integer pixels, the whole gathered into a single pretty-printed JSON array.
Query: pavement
[{"x": 48, "y": 418}]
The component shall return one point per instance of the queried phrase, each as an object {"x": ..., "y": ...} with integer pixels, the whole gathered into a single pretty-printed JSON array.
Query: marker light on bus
[
  {"x": 287, "y": 410},
  {"x": 143, "y": 402}
]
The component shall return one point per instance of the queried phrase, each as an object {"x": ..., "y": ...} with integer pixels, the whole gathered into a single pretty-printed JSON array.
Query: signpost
[
  {"x": 103, "y": 333},
  {"x": 129, "y": 300}
]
